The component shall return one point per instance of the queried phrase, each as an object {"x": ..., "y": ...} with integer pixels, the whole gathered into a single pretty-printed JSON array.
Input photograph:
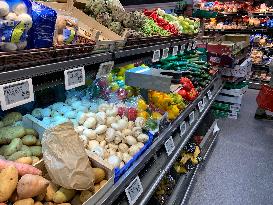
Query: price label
[
  {"x": 105, "y": 69},
  {"x": 204, "y": 101},
  {"x": 134, "y": 190},
  {"x": 183, "y": 128},
  {"x": 191, "y": 116},
  {"x": 182, "y": 48},
  {"x": 165, "y": 53},
  {"x": 169, "y": 146},
  {"x": 175, "y": 50},
  {"x": 156, "y": 56},
  {"x": 200, "y": 106},
  {"x": 209, "y": 95},
  {"x": 74, "y": 78},
  {"x": 16, "y": 94}
]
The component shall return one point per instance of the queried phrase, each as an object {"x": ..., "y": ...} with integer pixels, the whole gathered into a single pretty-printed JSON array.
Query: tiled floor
[{"x": 239, "y": 171}]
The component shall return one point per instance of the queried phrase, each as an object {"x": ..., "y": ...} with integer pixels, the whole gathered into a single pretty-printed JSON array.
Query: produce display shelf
[
  {"x": 185, "y": 182},
  {"x": 255, "y": 84},
  {"x": 239, "y": 31},
  {"x": 262, "y": 15},
  {"x": 12, "y": 75},
  {"x": 153, "y": 177}
]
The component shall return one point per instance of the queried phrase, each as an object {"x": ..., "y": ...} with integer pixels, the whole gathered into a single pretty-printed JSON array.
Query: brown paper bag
[{"x": 65, "y": 159}]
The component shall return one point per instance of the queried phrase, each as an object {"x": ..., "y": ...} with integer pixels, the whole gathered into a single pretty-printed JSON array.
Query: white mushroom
[
  {"x": 114, "y": 160},
  {"x": 127, "y": 132},
  {"x": 123, "y": 147},
  {"x": 142, "y": 138},
  {"x": 103, "y": 143},
  {"x": 140, "y": 122},
  {"x": 110, "y": 120},
  {"x": 130, "y": 140},
  {"x": 110, "y": 135},
  {"x": 101, "y": 118},
  {"x": 126, "y": 157},
  {"x": 112, "y": 112},
  {"x": 118, "y": 140},
  {"x": 131, "y": 125},
  {"x": 100, "y": 137},
  {"x": 133, "y": 150},
  {"x": 90, "y": 123},
  {"x": 90, "y": 134},
  {"x": 101, "y": 129},
  {"x": 79, "y": 129},
  {"x": 137, "y": 131}
]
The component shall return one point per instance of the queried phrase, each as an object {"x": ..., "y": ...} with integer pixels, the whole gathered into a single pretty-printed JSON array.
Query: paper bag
[{"x": 65, "y": 159}]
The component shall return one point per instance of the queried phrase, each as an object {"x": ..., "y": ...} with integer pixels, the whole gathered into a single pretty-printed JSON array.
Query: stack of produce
[
  {"x": 18, "y": 143},
  {"x": 22, "y": 184},
  {"x": 190, "y": 62},
  {"x": 114, "y": 17},
  {"x": 164, "y": 189},
  {"x": 190, "y": 157}
]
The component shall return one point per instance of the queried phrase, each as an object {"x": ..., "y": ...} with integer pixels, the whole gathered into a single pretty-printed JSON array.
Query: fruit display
[
  {"x": 18, "y": 143},
  {"x": 190, "y": 157},
  {"x": 231, "y": 7}
]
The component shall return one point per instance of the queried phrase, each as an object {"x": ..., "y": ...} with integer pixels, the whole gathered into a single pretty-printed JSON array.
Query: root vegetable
[
  {"x": 11, "y": 118},
  {"x": 123, "y": 147},
  {"x": 24, "y": 202},
  {"x": 38, "y": 203},
  {"x": 63, "y": 195},
  {"x": 50, "y": 191},
  {"x": 8, "y": 182},
  {"x": 90, "y": 134},
  {"x": 142, "y": 138},
  {"x": 31, "y": 185},
  {"x": 90, "y": 123},
  {"x": 30, "y": 131},
  {"x": 17, "y": 155},
  {"x": 99, "y": 175},
  {"x": 26, "y": 149},
  {"x": 36, "y": 151},
  {"x": 7, "y": 134},
  {"x": 130, "y": 140},
  {"x": 29, "y": 140},
  {"x": 97, "y": 188},
  {"x": 22, "y": 168},
  {"x": 101, "y": 129},
  {"x": 25, "y": 160},
  {"x": 13, "y": 147},
  {"x": 85, "y": 195}
]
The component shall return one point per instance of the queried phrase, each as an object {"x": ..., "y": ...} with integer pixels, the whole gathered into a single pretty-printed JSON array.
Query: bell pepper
[{"x": 192, "y": 94}]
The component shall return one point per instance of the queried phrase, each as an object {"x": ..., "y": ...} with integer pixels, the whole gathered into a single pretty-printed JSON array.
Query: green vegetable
[{"x": 9, "y": 133}]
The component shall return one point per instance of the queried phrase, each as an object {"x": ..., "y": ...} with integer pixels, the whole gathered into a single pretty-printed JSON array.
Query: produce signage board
[
  {"x": 209, "y": 95},
  {"x": 200, "y": 106},
  {"x": 16, "y": 93},
  {"x": 105, "y": 69},
  {"x": 182, "y": 48},
  {"x": 156, "y": 56},
  {"x": 74, "y": 77},
  {"x": 134, "y": 190}
]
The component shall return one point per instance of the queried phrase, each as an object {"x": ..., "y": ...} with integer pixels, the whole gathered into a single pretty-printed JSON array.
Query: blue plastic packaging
[{"x": 42, "y": 31}]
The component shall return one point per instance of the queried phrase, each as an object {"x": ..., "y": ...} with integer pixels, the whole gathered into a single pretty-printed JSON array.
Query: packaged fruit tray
[{"x": 35, "y": 57}]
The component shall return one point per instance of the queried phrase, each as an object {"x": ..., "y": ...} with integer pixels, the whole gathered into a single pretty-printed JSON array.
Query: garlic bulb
[
  {"x": 90, "y": 134},
  {"x": 90, "y": 122}
]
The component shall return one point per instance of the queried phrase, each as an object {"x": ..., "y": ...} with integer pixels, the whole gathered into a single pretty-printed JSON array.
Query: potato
[
  {"x": 50, "y": 191},
  {"x": 63, "y": 195},
  {"x": 30, "y": 131},
  {"x": 76, "y": 200},
  {"x": 38, "y": 143},
  {"x": 25, "y": 160},
  {"x": 8, "y": 182},
  {"x": 103, "y": 182},
  {"x": 48, "y": 203},
  {"x": 97, "y": 188},
  {"x": 35, "y": 159},
  {"x": 11, "y": 118},
  {"x": 28, "y": 201},
  {"x": 29, "y": 140},
  {"x": 85, "y": 195},
  {"x": 14, "y": 197},
  {"x": 31, "y": 185},
  {"x": 38, "y": 203},
  {"x": 9, "y": 133},
  {"x": 13, "y": 147},
  {"x": 17, "y": 155},
  {"x": 26, "y": 149},
  {"x": 99, "y": 175},
  {"x": 36, "y": 151},
  {"x": 3, "y": 149},
  {"x": 40, "y": 197}
]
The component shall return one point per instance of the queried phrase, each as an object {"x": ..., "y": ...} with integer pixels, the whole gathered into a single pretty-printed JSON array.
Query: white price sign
[
  {"x": 105, "y": 69},
  {"x": 200, "y": 106},
  {"x": 182, "y": 48},
  {"x": 204, "y": 101},
  {"x": 134, "y": 190},
  {"x": 74, "y": 77},
  {"x": 156, "y": 56},
  {"x": 175, "y": 50},
  {"x": 191, "y": 116},
  {"x": 165, "y": 53},
  {"x": 183, "y": 128},
  {"x": 209, "y": 95},
  {"x": 16, "y": 93},
  {"x": 169, "y": 146}
]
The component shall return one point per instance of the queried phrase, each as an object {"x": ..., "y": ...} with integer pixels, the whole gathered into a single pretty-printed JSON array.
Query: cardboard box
[{"x": 104, "y": 37}]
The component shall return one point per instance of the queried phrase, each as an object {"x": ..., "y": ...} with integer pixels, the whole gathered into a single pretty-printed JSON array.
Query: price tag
[
  {"x": 74, "y": 78},
  {"x": 105, "y": 69},
  {"x": 16, "y": 93},
  {"x": 165, "y": 53},
  {"x": 200, "y": 106},
  {"x": 169, "y": 146},
  {"x": 204, "y": 101},
  {"x": 175, "y": 50},
  {"x": 191, "y": 116},
  {"x": 156, "y": 56},
  {"x": 182, "y": 49},
  {"x": 183, "y": 128},
  {"x": 134, "y": 190},
  {"x": 209, "y": 95}
]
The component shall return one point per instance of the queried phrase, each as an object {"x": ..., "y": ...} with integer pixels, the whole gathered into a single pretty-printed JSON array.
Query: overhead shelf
[{"x": 151, "y": 178}]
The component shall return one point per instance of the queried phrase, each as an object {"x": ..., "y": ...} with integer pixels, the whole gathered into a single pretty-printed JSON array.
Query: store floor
[{"x": 239, "y": 171}]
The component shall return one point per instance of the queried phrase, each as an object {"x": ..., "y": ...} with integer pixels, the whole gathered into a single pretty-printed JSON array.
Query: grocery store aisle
[{"x": 240, "y": 168}]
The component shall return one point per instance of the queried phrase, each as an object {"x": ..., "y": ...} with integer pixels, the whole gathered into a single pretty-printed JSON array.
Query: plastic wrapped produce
[
  {"x": 15, "y": 21},
  {"x": 42, "y": 31}
]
